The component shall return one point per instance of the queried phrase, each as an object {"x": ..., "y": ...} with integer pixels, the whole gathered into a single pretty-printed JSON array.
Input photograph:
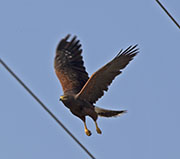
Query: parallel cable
[
  {"x": 168, "y": 14},
  {"x": 45, "y": 108}
]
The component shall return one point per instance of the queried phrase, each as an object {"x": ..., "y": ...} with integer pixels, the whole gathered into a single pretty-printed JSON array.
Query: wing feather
[
  {"x": 100, "y": 80},
  {"x": 69, "y": 65}
]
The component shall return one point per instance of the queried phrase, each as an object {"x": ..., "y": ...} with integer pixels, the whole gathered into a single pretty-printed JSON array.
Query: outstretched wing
[
  {"x": 69, "y": 66},
  {"x": 100, "y": 80}
]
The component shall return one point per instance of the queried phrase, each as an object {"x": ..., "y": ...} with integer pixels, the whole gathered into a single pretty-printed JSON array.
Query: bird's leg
[
  {"x": 88, "y": 132},
  {"x": 97, "y": 128}
]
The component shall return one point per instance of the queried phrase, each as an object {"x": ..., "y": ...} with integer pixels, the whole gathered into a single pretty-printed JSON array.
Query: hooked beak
[{"x": 61, "y": 98}]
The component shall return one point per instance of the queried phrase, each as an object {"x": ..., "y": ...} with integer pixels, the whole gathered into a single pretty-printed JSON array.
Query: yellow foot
[
  {"x": 97, "y": 128},
  {"x": 88, "y": 132},
  {"x": 98, "y": 131}
]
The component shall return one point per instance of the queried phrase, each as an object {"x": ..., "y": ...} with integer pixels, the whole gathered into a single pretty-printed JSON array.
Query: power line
[
  {"x": 168, "y": 14},
  {"x": 46, "y": 109}
]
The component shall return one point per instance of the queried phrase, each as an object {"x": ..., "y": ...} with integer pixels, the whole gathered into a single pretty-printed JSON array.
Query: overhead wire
[
  {"x": 45, "y": 108},
  {"x": 168, "y": 13}
]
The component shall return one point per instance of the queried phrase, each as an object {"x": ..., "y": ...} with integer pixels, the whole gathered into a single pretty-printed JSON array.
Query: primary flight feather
[{"x": 80, "y": 91}]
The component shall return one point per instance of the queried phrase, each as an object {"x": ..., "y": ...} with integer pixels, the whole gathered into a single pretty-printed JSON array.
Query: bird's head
[{"x": 66, "y": 99}]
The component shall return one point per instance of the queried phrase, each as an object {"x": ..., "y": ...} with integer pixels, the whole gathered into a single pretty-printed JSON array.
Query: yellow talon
[
  {"x": 97, "y": 129},
  {"x": 88, "y": 132}
]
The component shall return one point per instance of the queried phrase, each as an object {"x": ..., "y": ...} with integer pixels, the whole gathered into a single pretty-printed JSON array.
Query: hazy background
[{"x": 149, "y": 88}]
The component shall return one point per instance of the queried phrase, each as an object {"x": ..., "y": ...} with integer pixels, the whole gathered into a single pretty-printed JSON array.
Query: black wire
[
  {"x": 168, "y": 14},
  {"x": 42, "y": 104}
]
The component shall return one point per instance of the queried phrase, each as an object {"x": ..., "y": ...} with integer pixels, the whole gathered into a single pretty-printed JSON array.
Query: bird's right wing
[
  {"x": 100, "y": 80},
  {"x": 69, "y": 66}
]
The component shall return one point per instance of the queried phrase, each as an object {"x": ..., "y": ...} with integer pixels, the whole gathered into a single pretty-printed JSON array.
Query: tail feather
[{"x": 108, "y": 113}]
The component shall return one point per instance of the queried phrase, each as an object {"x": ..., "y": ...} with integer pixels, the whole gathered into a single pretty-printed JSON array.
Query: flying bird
[{"x": 80, "y": 91}]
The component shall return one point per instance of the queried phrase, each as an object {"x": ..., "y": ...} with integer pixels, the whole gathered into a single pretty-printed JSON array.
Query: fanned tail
[{"x": 108, "y": 113}]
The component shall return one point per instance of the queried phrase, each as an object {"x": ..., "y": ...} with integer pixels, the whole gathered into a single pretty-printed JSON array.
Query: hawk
[{"x": 80, "y": 91}]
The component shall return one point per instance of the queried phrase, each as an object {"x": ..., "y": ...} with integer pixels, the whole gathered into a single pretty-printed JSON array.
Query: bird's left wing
[
  {"x": 100, "y": 80},
  {"x": 69, "y": 66}
]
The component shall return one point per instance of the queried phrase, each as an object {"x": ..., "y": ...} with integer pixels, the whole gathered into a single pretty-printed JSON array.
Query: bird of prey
[{"x": 80, "y": 91}]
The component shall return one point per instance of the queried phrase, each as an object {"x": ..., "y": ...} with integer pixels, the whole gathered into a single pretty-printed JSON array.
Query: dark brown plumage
[{"x": 80, "y": 91}]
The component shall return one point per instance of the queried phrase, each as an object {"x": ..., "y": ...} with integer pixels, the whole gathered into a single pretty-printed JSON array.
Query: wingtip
[
  {"x": 67, "y": 37},
  {"x": 64, "y": 41},
  {"x": 131, "y": 50},
  {"x": 135, "y": 45}
]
